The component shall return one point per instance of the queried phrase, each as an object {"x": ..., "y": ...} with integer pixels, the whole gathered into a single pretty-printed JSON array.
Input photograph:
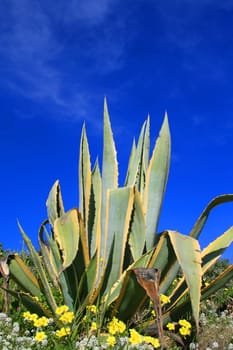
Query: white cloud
[{"x": 31, "y": 51}]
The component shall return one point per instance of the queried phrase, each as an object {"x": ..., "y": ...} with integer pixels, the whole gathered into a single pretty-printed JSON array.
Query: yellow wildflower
[
  {"x": 67, "y": 317},
  {"x": 121, "y": 326},
  {"x": 26, "y": 315},
  {"x": 40, "y": 336},
  {"x": 170, "y": 326},
  {"x": 93, "y": 326},
  {"x": 184, "y": 331},
  {"x": 152, "y": 341},
  {"x": 153, "y": 313},
  {"x": 185, "y": 323},
  {"x": 92, "y": 308},
  {"x": 41, "y": 322},
  {"x": 61, "y": 309},
  {"x": 63, "y": 332},
  {"x": 135, "y": 337},
  {"x": 111, "y": 340},
  {"x": 116, "y": 326},
  {"x": 164, "y": 299},
  {"x": 30, "y": 317},
  {"x": 112, "y": 327}
]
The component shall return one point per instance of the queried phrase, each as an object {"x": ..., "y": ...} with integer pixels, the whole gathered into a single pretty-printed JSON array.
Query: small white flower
[
  {"x": 215, "y": 345},
  {"x": 15, "y": 327}
]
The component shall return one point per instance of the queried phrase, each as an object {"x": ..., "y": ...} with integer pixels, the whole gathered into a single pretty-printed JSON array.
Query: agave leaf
[
  {"x": 156, "y": 180},
  {"x": 126, "y": 292},
  {"x": 53, "y": 261},
  {"x": 86, "y": 290},
  {"x": 188, "y": 254},
  {"x": 45, "y": 250},
  {"x": 109, "y": 175},
  {"x": 66, "y": 233},
  {"x": 174, "y": 313},
  {"x": 84, "y": 177},
  {"x": 216, "y": 248},
  {"x": 23, "y": 275},
  {"x": 146, "y": 144},
  {"x": 74, "y": 272},
  {"x": 31, "y": 303},
  {"x": 84, "y": 241},
  {"x": 54, "y": 203},
  {"x": 117, "y": 225},
  {"x": 95, "y": 211},
  {"x": 209, "y": 256},
  {"x": 44, "y": 283},
  {"x": 145, "y": 156},
  {"x": 164, "y": 259},
  {"x": 197, "y": 228},
  {"x": 137, "y": 228},
  {"x": 218, "y": 283},
  {"x": 139, "y": 159},
  {"x": 130, "y": 164}
]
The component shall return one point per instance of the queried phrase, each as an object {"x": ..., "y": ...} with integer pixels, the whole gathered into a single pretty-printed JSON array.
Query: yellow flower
[
  {"x": 111, "y": 340},
  {"x": 61, "y": 309},
  {"x": 184, "y": 331},
  {"x": 93, "y": 326},
  {"x": 116, "y": 326},
  {"x": 63, "y": 332},
  {"x": 152, "y": 341},
  {"x": 170, "y": 326},
  {"x": 40, "y": 336},
  {"x": 153, "y": 313},
  {"x": 67, "y": 317},
  {"x": 26, "y": 315},
  {"x": 30, "y": 317},
  {"x": 164, "y": 299},
  {"x": 41, "y": 322},
  {"x": 135, "y": 337},
  {"x": 185, "y": 323},
  {"x": 92, "y": 308},
  {"x": 121, "y": 327}
]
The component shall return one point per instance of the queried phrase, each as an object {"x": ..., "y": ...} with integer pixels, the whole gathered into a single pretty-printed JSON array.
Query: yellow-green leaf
[
  {"x": 188, "y": 253},
  {"x": 156, "y": 180},
  {"x": 54, "y": 203},
  {"x": 67, "y": 232}
]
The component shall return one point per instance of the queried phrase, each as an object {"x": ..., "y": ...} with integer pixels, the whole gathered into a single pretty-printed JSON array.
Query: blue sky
[{"x": 57, "y": 62}]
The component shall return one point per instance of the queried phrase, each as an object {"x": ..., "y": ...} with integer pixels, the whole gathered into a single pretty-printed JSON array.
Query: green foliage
[{"x": 88, "y": 255}]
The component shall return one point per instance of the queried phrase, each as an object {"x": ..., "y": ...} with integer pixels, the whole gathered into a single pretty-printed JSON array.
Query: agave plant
[{"x": 90, "y": 253}]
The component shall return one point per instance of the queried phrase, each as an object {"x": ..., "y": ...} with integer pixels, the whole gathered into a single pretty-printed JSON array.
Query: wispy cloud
[{"x": 32, "y": 51}]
